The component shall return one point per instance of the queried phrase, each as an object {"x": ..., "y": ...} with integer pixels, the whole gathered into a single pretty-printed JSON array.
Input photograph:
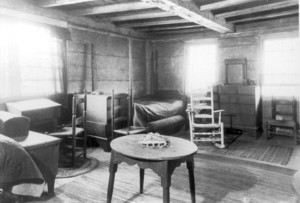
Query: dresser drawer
[
  {"x": 228, "y": 89},
  {"x": 246, "y": 90},
  {"x": 247, "y": 109},
  {"x": 247, "y": 99}
]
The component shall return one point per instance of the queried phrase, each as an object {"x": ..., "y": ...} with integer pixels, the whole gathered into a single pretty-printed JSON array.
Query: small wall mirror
[{"x": 236, "y": 71}]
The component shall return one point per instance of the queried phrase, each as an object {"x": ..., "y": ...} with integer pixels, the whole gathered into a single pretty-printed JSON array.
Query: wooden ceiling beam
[
  {"x": 256, "y": 9},
  {"x": 174, "y": 27},
  {"x": 152, "y": 23},
  {"x": 223, "y": 4},
  {"x": 262, "y": 17},
  {"x": 189, "y": 11},
  {"x": 139, "y": 16},
  {"x": 180, "y": 31},
  {"x": 55, "y": 3},
  {"x": 111, "y": 8}
]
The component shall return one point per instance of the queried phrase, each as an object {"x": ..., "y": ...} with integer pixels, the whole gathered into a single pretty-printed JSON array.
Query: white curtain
[{"x": 31, "y": 61}]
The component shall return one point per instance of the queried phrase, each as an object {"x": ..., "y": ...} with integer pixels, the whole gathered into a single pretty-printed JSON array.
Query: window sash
[{"x": 280, "y": 74}]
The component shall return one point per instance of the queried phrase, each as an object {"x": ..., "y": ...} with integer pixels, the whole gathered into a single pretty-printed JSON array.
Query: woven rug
[
  {"x": 65, "y": 169},
  {"x": 228, "y": 140},
  {"x": 275, "y": 154}
]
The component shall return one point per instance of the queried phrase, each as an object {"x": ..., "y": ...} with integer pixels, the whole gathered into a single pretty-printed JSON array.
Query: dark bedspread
[
  {"x": 16, "y": 165},
  {"x": 153, "y": 109}
]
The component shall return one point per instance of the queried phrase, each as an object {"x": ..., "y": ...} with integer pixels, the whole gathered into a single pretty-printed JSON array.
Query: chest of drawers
[{"x": 242, "y": 105}]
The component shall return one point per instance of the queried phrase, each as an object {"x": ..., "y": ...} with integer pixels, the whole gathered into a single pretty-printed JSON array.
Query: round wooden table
[{"x": 162, "y": 161}]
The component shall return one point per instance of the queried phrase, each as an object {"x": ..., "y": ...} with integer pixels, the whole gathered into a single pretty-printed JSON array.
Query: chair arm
[
  {"x": 190, "y": 111},
  {"x": 220, "y": 112}
]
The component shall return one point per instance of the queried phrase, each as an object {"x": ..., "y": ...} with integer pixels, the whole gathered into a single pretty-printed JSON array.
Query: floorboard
[{"x": 217, "y": 180}]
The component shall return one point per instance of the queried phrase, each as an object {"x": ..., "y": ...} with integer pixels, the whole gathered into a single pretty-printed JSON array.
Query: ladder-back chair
[
  {"x": 202, "y": 120},
  {"x": 121, "y": 116},
  {"x": 76, "y": 133},
  {"x": 283, "y": 119}
]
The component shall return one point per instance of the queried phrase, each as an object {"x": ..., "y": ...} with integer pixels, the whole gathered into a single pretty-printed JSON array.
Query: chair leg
[
  {"x": 295, "y": 135},
  {"x": 267, "y": 131},
  {"x": 74, "y": 151},
  {"x": 222, "y": 145},
  {"x": 84, "y": 145}
]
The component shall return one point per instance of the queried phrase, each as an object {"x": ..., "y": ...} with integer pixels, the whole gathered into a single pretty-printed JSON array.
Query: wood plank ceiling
[{"x": 161, "y": 17}]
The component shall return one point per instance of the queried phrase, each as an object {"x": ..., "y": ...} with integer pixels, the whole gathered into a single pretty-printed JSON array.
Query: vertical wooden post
[
  {"x": 149, "y": 68},
  {"x": 112, "y": 110},
  {"x": 65, "y": 72},
  {"x": 154, "y": 71},
  {"x": 93, "y": 66},
  {"x": 130, "y": 81}
]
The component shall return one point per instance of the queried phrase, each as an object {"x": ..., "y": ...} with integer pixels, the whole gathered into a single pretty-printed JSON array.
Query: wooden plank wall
[
  {"x": 240, "y": 47},
  {"x": 170, "y": 65},
  {"x": 170, "y": 60},
  {"x": 110, "y": 62}
]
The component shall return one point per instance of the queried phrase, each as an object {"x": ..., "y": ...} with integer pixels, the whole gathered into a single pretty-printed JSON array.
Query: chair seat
[
  {"x": 66, "y": 132},
  {"x": 130, "y": 130},
  {"x": 279, "y": 123},
  {"x": 212, "y": 125}
]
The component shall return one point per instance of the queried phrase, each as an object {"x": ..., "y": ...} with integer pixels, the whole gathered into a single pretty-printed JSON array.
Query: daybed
[{"x": 163, "y": 112}]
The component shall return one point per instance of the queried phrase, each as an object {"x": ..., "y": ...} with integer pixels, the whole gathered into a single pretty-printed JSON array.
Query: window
[
  {"x": 30, "y": 60},
  {"x": 280, "y": 75},
  {"x": 201, "y": 64}
]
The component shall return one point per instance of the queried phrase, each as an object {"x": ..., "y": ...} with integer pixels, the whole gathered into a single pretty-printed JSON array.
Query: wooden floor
[{"x": 226, "y": 182}]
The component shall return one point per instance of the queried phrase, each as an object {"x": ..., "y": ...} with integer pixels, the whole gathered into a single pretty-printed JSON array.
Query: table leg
[
  {"x": 142, "y": 173},
  {"x": 112, "y": 170},
  {"x": 166, "y": 194},
  {"x": 50, "y": 183},
  {"x": 166, "y": 182},
  {"x": 190, "y": 167}
]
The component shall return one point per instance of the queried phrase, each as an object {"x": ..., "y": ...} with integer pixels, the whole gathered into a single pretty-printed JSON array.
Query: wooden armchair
[{"x": 283, "y": 119}]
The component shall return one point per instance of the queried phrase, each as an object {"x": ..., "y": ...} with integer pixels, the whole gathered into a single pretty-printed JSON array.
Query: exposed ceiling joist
[
  {"x": 222, "y": 4},
  {"x": 55, "y": 3},
  {"x": 153, "y": 23},
  {"x": 273, "y": 15},
  {"x": 130, "y": 6},
  {"x": 172, "y": 27},
  {"x": 190, "y": 12},
  {"x": 179, "y": 31},
  {"x": 138, "y": 16},
  {"x": 267, "y": 7}
]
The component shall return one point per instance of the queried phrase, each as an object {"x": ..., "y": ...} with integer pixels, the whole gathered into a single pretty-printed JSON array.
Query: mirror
[{"x": 236, "y": 71}]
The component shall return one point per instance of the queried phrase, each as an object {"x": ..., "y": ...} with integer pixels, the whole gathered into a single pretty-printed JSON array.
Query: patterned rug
[
  {"x": 275, "y": 154},
  {"x": 228, "y": 140},
  {"x": 65, "y": 169}
]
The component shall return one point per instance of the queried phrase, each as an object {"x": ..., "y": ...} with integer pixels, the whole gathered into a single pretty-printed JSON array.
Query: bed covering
[
  {"x": 16, "y": 165},
  {"x": 163, "y": 111}
]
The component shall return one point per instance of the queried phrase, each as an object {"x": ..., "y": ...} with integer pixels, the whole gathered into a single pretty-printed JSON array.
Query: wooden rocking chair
[{"x": 201, "y": 113}]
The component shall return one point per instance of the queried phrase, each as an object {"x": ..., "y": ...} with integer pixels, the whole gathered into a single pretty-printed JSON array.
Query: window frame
[
  {"x": 292, "y": 34},
  {"x": 13, "y": 68},
  {"x": 186, "y": 63}
]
